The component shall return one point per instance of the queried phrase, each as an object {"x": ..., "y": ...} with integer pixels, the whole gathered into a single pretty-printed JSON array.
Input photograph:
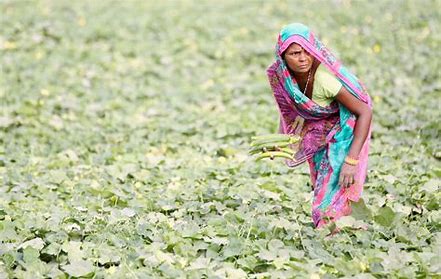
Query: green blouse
[{"x": 326, "y": 86}]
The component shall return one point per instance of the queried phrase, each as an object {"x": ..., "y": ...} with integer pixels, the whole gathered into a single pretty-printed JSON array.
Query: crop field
[{"x": 125, "y": 128}]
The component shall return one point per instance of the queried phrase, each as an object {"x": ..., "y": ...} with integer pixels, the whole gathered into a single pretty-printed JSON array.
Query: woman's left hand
[{"x": 347, "y": 175}]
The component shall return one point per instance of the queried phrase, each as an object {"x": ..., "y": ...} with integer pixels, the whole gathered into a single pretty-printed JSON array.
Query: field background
[{"x": 125, "y": 125}]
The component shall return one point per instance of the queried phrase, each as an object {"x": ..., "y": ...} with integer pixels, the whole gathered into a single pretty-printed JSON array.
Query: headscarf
[{"x": 327, "y": 132}]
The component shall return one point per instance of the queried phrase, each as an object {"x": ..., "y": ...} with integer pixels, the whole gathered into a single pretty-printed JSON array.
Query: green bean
[{"x": 274, "y": 154}]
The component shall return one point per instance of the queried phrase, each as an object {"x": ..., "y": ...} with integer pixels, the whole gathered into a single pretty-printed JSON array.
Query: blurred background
[{"x": 125, "y": 125}]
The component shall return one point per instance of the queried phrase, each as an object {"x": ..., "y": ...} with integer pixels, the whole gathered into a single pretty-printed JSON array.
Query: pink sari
[{"x": 327, "y": 132}]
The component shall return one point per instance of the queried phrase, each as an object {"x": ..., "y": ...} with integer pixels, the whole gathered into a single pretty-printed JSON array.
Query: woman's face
[{"x": 298, "y": 59}]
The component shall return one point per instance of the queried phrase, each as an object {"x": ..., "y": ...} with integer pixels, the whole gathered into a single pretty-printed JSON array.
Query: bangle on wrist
[{"x": 351, "y": 161}]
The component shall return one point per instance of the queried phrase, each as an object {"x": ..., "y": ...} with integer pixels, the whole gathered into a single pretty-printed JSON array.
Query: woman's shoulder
[
  {"x": 327, "y": 80},
  {"x": 323, "y": 73}
]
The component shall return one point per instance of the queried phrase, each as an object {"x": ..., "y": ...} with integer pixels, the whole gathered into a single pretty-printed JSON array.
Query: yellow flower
[
  {"x": 243, "y": 31},
  {"x": 207, "y": 84},
  {"x": 81, "y": 21},
  {"x": 45, "y": 92},
  {"x": 9, "y": 45},
  {"x": 376, "y": 48},
  {"x": 38, "y": 55}
]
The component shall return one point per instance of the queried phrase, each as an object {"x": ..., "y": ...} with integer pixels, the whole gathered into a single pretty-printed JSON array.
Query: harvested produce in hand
[
  {"x": 282, "y": 148},
  {"x": 273, "y": 154},
  {"x": 273, "y": 138},
  {"x": 273, "y": 146}
]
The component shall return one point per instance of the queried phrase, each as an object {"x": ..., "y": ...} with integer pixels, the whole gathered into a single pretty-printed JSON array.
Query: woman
[{"x": 320, "y": 100}]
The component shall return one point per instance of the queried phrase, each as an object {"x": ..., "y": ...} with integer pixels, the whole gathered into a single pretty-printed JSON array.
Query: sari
[{"x": 326, "y": 132}]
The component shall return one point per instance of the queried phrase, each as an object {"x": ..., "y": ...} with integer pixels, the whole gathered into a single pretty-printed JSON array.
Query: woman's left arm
[{"x": 361, "y": 130}]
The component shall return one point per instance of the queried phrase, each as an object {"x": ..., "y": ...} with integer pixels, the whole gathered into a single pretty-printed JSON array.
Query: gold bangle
[{"x": 351, "y": 161}]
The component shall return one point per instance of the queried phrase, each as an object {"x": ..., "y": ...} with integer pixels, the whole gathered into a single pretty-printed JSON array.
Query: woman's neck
[{"x": 301, "y": 77}]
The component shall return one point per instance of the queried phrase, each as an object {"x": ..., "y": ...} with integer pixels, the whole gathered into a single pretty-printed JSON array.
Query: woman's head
[{"x": 297, "y": 59}]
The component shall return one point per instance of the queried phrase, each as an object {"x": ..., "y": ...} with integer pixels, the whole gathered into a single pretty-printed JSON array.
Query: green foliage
[{"x": 125, "y": 128}]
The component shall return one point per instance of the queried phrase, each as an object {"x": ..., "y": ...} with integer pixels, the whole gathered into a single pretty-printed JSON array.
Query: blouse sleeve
[{"x": 330, "y": 83}]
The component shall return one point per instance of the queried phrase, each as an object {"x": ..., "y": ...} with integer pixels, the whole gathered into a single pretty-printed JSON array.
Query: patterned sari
[{"x": 326, "y": 132}]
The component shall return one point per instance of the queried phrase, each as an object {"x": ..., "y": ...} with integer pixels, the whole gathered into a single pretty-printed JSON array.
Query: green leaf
[
  {"x": 79, "y": 268},
  {"x": 385, "y": 216},
  {"x": 107, "y": 256},
  {"x": 128, "y": 212},
  {"x": 200, "y": 263},
  {"x": 30, "y": 255},
  {"x": 271, "y": 186},
  {"x": 8, "y": 259},
  {"x": 52, "y": 249},
  {"x": 249, "y": 262},
  {"x": 275, "y": 244},
  {"x": 2, "y": 213},
  {"x": 431, "y": 186},
  {"x": 267, "y": 255},
  {"x": 360, "y": 211},
  {"x": 7, "y": 231},
  {"x": 36, "y": 243},
  {"x": 395, "y": 258},
  {"x": 285, "y": 224},
  {"x": 73, "y": 250},
  {"x": 233, "y": 248},
  {"x": 280, "y": 263},
  {"x": 230, "y": 272},
  {"x": 390, "y": 178},
  {"x": 57, "y": 176},
  {"x": 345, "y": 221}
]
